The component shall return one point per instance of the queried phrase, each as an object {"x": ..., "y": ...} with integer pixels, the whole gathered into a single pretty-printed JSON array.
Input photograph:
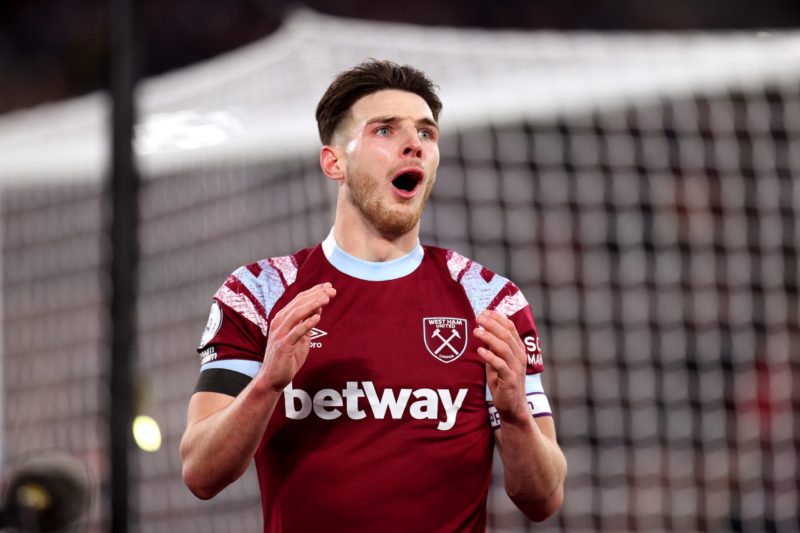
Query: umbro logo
[{"x": 315, "y": 334}]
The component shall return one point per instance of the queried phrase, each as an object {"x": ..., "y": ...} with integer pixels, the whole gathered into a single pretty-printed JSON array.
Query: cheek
[
  {"x": 382, "y": 150},
  {"x": 375, "y": 158},
  {"x": 433, "y": 162},
  {"x": 370, "y": 157},
  {"x": 352, "y": 146}
]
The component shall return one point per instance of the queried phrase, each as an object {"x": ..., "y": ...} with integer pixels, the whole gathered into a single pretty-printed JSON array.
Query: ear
[{"x": 330, "y": 162}]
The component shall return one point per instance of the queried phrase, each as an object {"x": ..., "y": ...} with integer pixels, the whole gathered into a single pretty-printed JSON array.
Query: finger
[
  {"x": 298, "y": 314},
  {"x": 496, "y": 363},
  {"x": 313, "y": 292},
  {"x": 301, "y": 308},
  {"x": 502, "y": 327},
  {"x": 499, "y": 346},
  {"x": 508, "y": 324},
  {"x": 306, "y": 296},
  {"x": 500, "y": 317},
  {"x": 326, "y": 288},
  {"x": 301, "y": 330},
  {"x": 502, "y": 339},
  {"x": 303, "y": 300},
  {"x": 319, "y": 286}
]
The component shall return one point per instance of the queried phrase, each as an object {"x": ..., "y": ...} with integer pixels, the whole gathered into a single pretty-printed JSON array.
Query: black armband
[{"x": 222, "y": 380}]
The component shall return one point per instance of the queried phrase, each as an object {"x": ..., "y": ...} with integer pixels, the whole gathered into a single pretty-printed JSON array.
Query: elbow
[
  {"x": 539, "y": 510},
  {"x": 542, "y": 510},
  {"x": 204, "y": 486},
  {"x": 199, "y": 480},
  {"x": 192, "y": 478},
  {"x": 198, "y": 484}
]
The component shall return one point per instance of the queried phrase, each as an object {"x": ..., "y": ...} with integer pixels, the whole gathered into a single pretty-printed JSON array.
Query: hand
[
  {"x": 288, "y": 341},
  {"x": 505, "y": 365}
]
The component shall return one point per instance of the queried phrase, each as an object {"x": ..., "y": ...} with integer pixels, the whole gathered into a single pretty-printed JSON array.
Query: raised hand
[
  {"x": 288, "y": 342},
  {"x": 506, "y": 360}
]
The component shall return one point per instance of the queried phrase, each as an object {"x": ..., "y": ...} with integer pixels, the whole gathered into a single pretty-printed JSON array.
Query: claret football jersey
[{"x": 388, "y": 425}]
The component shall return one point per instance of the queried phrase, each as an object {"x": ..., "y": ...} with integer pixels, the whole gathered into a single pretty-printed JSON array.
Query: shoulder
[
  {"x": 272, "y": 271},
  {"x": 254, "y": 288},
  {"x": 484, "y": 288},
  {"x": 280, "y": 270}
]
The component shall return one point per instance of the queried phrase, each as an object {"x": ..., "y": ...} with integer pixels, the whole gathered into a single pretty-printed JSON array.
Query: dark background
[{"x": 54, "y": 49}]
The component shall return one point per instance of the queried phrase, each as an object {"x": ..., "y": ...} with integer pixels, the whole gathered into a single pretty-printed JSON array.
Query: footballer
[{"x": 370, "y": 376}]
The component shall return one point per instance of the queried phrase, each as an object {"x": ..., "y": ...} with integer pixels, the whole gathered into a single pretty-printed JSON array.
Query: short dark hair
[{"x": 366, "y": 78}]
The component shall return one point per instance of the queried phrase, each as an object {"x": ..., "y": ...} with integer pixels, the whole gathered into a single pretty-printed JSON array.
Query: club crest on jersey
[{"x": 445, "y": 337}]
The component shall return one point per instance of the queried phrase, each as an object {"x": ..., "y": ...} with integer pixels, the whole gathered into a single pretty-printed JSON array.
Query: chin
[
  {"x": 393, "y": 225},
  {"x": 394, "y": 231},
  {"x": 389, "y": 219}
]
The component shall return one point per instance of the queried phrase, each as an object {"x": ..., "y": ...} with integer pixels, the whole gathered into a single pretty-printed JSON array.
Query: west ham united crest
[{"x": 445, "y": 337}]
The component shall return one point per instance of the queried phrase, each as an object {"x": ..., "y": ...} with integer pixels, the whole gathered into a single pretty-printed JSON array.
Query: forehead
[{"x": 390, "y": 102}]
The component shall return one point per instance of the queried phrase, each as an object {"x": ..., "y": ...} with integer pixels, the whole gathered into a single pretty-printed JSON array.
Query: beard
[{"x": 391, "y": 221}]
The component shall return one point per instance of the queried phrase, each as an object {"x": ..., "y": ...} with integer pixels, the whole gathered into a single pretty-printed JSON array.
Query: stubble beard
[{"x": 391, "y": 223}]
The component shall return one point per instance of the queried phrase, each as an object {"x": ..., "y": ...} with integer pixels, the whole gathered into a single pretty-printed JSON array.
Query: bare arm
[
  {"x": 222, "y": 432},
  {"x": 533, "y": 464}
]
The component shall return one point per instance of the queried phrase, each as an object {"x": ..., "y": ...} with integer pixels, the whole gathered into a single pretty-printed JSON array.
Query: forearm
[
  {"x": 217, "y": 449},
  {"x": 533, "y": 464},
  {"x": 534, "y": 467}
]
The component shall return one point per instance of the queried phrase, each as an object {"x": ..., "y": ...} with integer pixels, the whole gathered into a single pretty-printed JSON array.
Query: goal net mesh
[{"x": 651, "y": 222}]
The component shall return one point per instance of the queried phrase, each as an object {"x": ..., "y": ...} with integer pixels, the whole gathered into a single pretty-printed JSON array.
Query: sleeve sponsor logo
[
  {"x": 213, "y": 324},
  {"x": 208, "y": 355},
  {"x": 538, "y": 405},
  {"x": 533, "y": 349}
]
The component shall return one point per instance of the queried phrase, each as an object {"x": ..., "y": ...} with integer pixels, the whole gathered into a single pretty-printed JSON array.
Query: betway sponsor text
[{"x": 329, "y": 404}]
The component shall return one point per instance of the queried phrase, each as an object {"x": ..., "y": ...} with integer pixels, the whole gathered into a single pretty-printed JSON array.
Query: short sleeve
[
  {"x": 234, "y": 338},
  {"x": 515, "y": 306}
]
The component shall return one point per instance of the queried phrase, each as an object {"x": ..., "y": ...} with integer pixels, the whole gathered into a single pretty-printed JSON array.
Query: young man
[{"x": 370, "y": 376}]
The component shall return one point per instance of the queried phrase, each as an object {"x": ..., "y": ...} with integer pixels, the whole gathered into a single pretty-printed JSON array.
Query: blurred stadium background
[{"x": 640, "y": 187}]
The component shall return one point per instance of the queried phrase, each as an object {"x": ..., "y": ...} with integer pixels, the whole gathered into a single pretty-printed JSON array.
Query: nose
[{"x": 412, "y": 146}]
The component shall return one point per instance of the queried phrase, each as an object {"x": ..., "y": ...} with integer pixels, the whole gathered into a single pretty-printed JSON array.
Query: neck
[{"x": 360, "y": 239}]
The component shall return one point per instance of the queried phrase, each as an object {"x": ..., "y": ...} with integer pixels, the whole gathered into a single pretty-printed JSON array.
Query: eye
[
  {"x": 427, "y": 135},
  {"x": 383, "y": 131}
]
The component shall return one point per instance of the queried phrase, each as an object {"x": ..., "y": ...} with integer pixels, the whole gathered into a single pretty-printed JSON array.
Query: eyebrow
[{"x": 392, "y": 119}]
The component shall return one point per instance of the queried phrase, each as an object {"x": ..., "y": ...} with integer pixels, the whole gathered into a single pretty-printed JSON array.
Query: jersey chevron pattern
[{"x": 388, "y": 425}]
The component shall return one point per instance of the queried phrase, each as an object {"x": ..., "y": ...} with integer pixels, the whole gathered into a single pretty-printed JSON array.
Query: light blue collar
[{"x": 368, "y": 270}]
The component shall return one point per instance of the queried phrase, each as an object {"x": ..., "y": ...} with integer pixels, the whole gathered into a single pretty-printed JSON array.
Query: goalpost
[{"x": 640, "y": 188}]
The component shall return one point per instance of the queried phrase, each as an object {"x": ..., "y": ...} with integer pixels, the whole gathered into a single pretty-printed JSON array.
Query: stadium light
[{"x": 147, "y": 433}]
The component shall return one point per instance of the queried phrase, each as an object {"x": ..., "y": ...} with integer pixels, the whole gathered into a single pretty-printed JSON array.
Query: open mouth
[{"x": 407, "y": 180}]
